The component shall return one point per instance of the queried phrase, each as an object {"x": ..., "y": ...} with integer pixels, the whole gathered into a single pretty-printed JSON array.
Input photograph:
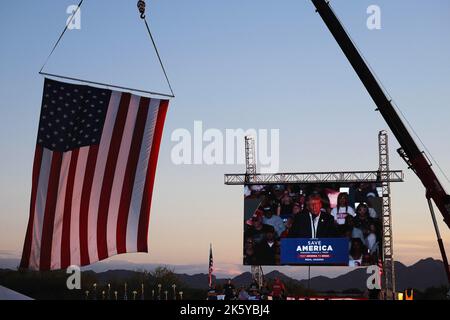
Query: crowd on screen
[{"x": 289, "y": 211}]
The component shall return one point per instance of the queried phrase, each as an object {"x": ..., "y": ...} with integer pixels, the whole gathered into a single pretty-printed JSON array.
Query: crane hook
[{"x": 141, "y": 7}]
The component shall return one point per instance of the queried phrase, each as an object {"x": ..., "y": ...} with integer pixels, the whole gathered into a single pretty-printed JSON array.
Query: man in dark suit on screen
[{"x": 313, "y": 223}]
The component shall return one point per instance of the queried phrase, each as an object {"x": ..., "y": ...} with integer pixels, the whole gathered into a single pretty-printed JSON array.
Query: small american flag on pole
[
  {"x": 93, "y": 175},
  {"x": 211, "y": 268}
]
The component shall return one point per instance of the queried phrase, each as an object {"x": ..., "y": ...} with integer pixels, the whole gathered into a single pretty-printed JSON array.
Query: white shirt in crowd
[
  {"x": 247, "y": 192},
  {"x": 339, "y": 216},
  {"x": 357, "y": 233},
  {"x": 371, "y": 242},
  {"x": 277, "y": 223},
  {"x": 372, "y": 213},
  {"x": 354, "y": 262}
]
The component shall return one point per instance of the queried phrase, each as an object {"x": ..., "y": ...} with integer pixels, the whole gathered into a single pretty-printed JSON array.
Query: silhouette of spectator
[
  {"x": 265, "y": 292},
  {"x": 229, "y": 290},
  {"x": 243, "y": 295},
  {"x": 265, "y": 252},
  {"x": 212, "y": 293},
  {"x": 278, "y": 290}
]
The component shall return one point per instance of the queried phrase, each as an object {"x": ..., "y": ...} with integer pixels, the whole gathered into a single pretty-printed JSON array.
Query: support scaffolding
[
  {"x": 388, "y": 275},
  {"x": 313, "y": 177},
  {"x": 250, "y": 171}
]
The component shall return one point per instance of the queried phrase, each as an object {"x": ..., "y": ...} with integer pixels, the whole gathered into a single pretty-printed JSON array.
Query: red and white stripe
[{"x": 93, "y": 202}]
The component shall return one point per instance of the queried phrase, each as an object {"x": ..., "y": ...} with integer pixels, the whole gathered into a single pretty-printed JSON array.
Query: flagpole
[{"x": 210, "y": 269}]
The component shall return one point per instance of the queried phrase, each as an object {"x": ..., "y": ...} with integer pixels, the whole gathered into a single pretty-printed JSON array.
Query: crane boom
[{"x": 409, "y": 151}]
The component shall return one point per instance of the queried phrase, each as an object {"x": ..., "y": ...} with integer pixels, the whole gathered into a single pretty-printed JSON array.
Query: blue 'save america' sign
[{"x": 323, "y": 251}]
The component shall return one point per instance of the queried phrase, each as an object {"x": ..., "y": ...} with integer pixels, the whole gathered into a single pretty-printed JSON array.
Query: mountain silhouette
[{"x": 423, "y": 274}]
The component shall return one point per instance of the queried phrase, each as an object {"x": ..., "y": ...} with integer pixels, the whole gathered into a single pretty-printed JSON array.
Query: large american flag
[{"x": 93, "y": 174}]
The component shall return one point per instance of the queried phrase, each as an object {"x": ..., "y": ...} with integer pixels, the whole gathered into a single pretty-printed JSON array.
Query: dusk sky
[{"x": 235, "y": 64}]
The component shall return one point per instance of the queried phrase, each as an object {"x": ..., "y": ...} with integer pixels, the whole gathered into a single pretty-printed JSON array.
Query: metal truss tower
[
  {"x": 250, "y": 158},
  {"x": 258, "y": 275},
  {"x": 250, "y": 171},
  {"x": 388, "y": 278}
]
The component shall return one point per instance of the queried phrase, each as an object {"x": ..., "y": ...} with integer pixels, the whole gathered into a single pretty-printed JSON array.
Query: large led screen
[{"x": 313, "y": 224}]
